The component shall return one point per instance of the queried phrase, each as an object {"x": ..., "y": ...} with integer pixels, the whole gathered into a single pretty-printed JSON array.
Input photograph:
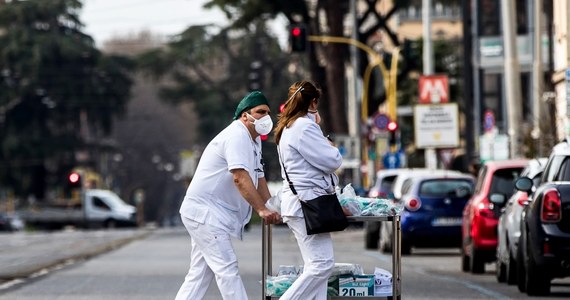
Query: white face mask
[
  {"x": 314, "y": 115},
  {"x": 263, "y": 125}
]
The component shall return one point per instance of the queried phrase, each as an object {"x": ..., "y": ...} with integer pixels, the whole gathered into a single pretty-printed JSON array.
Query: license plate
[{"x": 447, "y": 222}]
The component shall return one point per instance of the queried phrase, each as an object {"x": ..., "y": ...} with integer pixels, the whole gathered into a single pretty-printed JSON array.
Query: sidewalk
[{"x": 23, "y": 254}]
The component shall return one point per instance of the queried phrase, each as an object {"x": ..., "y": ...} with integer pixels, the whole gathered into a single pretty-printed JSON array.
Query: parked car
[
  {"x": 495, "y": 184},
  {"x": 382, "y": 188},
  {"x": 433, "y": 203},
  {"x": 509, "y": 224},
  {"x": 10, "y": 222},
  {"x": 96, "y": 208},
  {"x": 544, "y": 247}
]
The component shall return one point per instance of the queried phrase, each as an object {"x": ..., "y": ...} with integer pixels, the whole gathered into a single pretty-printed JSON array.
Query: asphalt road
[{"x": 151, "y": 264}]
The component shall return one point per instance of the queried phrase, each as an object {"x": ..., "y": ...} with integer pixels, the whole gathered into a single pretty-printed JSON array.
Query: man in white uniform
[{"x": 228, "y": 182}]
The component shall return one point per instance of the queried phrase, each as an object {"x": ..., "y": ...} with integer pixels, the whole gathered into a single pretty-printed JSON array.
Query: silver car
[{"x": 509, "y": 225}]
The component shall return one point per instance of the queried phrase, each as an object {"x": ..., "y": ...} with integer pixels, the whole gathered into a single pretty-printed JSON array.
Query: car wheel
[
  {"x": 406, "y": 247},
  {"x": 537, "y": 280},
  {"x": 111, "y": 224},
  {"x": 521, "y": 270},
  {"x": 464, "y": 260},
  {"x": 501, "y": 271},
  {"x": 385, "y": 240},
  {"x": 511, "y": 269},
  {"x": 372, "y": 235},
  {"x": 476, "y": 263}
]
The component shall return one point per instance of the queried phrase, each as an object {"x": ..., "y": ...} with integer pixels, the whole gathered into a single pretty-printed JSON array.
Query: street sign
[
  {"x": 433, "y": 89},
  {"x": 381, "y": 121},
  {"x": 488, "y": 121},
  {"x": 391, "y": 160},
  {"x": 436, "y": 125}
]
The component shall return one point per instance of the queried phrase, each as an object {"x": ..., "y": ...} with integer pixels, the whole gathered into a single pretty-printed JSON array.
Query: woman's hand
[{"x": 346, "y": 211}]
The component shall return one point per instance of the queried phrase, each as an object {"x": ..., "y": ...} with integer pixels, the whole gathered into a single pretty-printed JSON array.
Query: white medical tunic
[
  {"x": 212, "y": 196},
  {"x": 310, "y": 161}
]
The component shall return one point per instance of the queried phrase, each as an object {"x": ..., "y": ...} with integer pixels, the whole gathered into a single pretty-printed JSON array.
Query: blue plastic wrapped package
[
  {"x": 276, "y": 286},
  {"x": 362, "y": 206},
  {"x": 382, "y": 207}
]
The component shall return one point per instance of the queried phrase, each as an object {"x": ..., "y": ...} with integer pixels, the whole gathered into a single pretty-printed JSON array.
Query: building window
[
  {"x": 522, "y": 17},
  {"x": 489, "y": 18},
  {"x": 489, "y": 13},
  {"x": 440, "y": 9}
]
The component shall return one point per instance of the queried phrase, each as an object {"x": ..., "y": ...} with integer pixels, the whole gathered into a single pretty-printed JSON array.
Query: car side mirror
[
  {"x": 498, "y": 199},
  {"x": 524, "y": 184}
]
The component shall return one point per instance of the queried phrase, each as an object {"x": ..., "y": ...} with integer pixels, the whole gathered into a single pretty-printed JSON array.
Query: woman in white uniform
[{"x": 309, "y": 159}]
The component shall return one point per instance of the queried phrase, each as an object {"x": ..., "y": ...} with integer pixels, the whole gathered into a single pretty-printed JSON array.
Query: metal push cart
[{"x": 266, "y": 265}]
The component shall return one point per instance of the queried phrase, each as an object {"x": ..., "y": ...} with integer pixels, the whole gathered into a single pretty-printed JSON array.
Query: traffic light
[
  {"x": 74, "y": 180},
  {"x": 255, "y": 75},
  {"x": 298, "y": 37},
  {"x": 392, "y": 131},
  {"x": 392, "y": 126},
  {"x": 73, "y": 185}
]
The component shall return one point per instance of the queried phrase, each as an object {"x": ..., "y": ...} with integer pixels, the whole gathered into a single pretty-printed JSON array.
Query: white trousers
[
  {"x": 318, "y": 256},
  {"x": 212, "y": 255}
]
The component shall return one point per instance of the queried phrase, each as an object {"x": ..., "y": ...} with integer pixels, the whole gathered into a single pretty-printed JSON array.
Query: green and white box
[{"x": 356, "y": 285}]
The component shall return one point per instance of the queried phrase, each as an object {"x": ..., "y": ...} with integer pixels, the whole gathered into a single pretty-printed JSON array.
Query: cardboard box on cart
[{"x": 356, "y": 285}]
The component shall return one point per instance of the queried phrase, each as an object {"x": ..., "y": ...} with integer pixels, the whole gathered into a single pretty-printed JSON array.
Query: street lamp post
[{"x": 390, "y": 79}]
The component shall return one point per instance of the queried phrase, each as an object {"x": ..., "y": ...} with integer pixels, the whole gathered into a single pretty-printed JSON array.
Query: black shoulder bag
[{"x": 322, "y": 214}]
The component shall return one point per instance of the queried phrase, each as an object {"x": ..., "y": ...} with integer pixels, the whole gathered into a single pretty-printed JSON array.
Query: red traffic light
[
  {"x": 298, "y": 37},
  {"x": 74, "y": 177},
  {"x": 392, "y": 126},
  {"x": 296, "y": 31}
]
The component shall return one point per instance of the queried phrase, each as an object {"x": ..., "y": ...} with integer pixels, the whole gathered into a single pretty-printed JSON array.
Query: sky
[{"x": 105, "y": 19}]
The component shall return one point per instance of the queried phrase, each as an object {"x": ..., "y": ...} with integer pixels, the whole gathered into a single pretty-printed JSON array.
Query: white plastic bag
[
  {"x": 349, "y": 200},
  {"x": 274, "y": 203}
]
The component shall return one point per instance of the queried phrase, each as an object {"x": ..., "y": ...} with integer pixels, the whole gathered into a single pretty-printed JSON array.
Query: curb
[{"x": 40, "y": 267}]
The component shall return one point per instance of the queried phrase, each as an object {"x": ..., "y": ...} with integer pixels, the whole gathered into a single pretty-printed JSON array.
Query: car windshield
[
  {"x": 503, "y": 181},
  {"x": 445, "y": 188},
  {"x": 114, "y": 201},
  {"x": 387, "y": 183}
]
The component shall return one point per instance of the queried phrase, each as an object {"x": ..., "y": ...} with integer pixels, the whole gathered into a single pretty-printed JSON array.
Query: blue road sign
[
  {"x": 381, "y": 121},
  {"x": 391, "y": 160}
]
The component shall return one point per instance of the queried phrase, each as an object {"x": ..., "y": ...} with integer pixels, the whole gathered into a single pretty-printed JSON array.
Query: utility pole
[
  {"x": 512, "y": 75},
  {"x": 537, "y": 74},
  {"x": 354, "y": 130},
  {"x": 468, "y": 83},
  {"x": 430, "y": 156}
]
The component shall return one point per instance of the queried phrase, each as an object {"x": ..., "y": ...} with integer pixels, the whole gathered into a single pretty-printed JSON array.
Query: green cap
[{"x": 253, "y": 99}]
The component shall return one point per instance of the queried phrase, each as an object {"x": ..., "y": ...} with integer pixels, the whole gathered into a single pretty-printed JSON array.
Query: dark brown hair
[{"x": 299, "y": 98}]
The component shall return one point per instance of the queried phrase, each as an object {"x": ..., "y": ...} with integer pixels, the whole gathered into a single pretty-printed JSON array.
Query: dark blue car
[{"x": 433, "y": 208}]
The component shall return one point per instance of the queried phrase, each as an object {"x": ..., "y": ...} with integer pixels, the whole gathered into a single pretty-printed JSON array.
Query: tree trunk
[{"x": 336, "y": 55}]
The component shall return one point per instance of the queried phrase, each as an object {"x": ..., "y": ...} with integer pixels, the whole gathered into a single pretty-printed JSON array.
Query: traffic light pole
[{"x": 390, "y": 78}]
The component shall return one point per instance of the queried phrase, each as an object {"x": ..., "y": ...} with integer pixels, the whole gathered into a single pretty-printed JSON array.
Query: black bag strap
[{"x": 289, "y": 180}]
